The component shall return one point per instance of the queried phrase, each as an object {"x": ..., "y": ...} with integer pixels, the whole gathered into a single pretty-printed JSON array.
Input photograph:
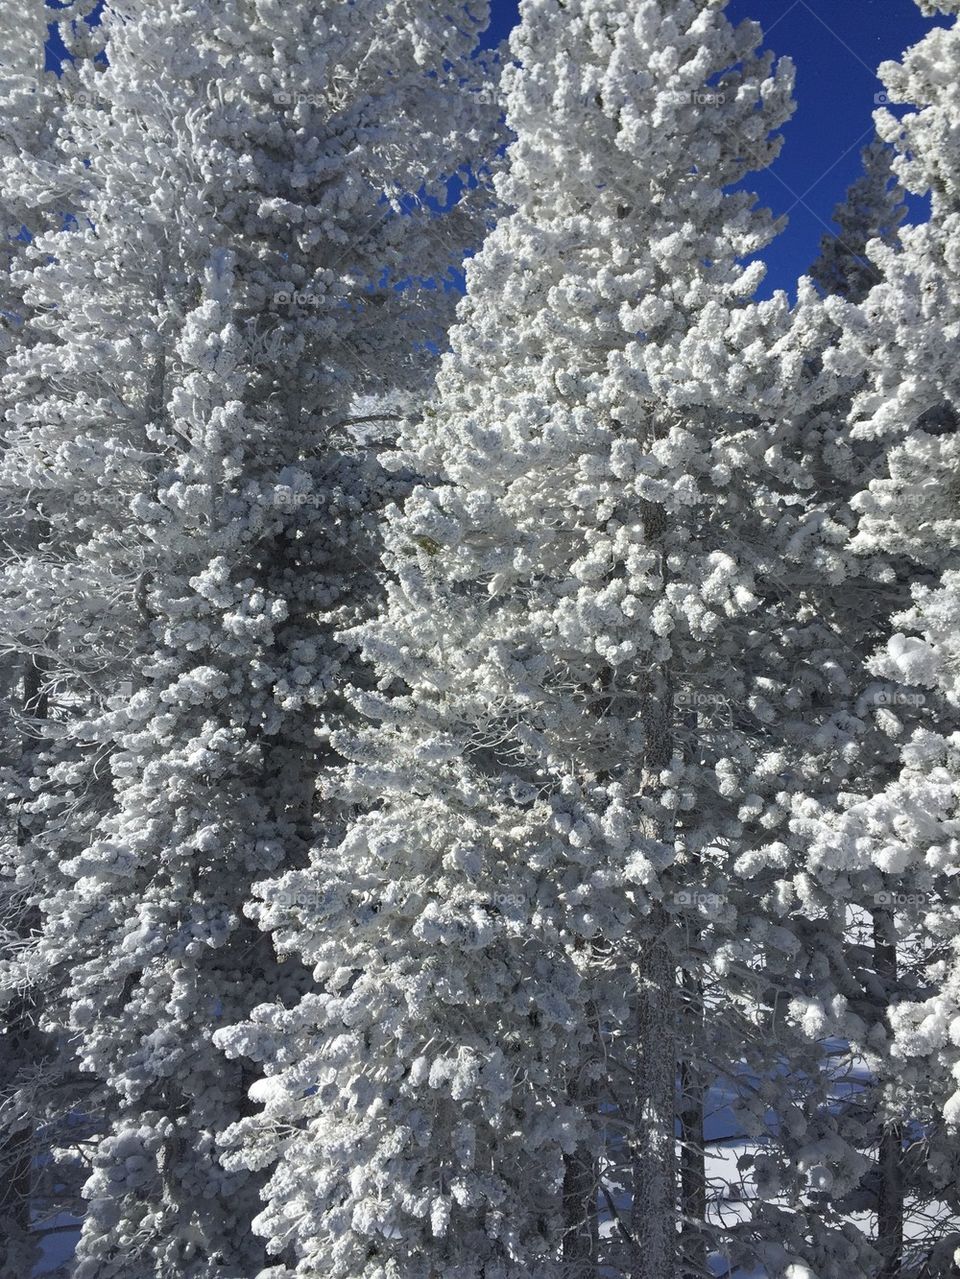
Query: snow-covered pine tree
[
  {"x": 867, "y": 946},
  {"x": 769, "y": 379},
  {"x": 254, "y": 183},
  {"x": 892, "y": 849},
  {"x": 556, "y": 793},
  {"x": 39, "y": 1173},
  {"x": 24, "y": 127},
  {"x": 821, "y": 1165},
  {"x": 874, "y": 209},
  {"x": 913, "y": 330},
  {"x": 833, "y": 730},
  {"x": 850, "y": 945}
]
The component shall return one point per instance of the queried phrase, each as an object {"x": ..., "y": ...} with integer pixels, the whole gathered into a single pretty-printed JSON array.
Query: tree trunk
[
  {"x": 890, "y": 1155},
  {"x": 581, "y": 1239},
  {"x": 653, "y": 1141},
  {"x": 20, "y": 1031},
  {"x": 693, "y": 1172},
  {"x": 581, "y": 1235}
]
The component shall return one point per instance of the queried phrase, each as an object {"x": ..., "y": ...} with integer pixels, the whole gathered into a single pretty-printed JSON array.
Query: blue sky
[{"x": 837, "y": 46}]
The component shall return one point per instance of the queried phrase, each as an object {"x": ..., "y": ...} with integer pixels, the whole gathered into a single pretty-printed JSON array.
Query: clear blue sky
[{"x": 837, "y": 46}]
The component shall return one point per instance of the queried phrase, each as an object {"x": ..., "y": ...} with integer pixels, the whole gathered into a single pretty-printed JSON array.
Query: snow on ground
[{"x": 58, "y": 1243}]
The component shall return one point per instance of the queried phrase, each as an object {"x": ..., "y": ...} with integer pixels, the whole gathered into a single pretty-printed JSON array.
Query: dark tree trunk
[
  {"x": 24, "y": 1047},
  {"x": 693, "y": 1172},
  {"x": 890, "y": 1156},
  {"x": 653, "y": 1140}
]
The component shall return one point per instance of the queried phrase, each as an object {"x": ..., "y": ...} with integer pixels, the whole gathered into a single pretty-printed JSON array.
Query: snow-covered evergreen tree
[
  {"x": 769, "y": 370},
  {"x": 565, "y": 752},
  {"x": 39, "y": 1094},
  {"x": 891, "y": 852},
  {"x": 873, "y": 210},
  {"x": 254, "y": 181}
]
